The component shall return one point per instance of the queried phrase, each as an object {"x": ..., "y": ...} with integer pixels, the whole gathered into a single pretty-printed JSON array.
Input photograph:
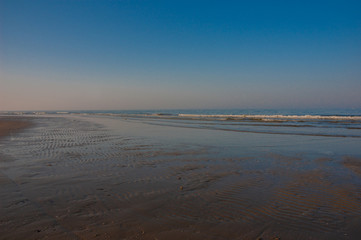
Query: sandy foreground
[{"x": 74, "y": 178}]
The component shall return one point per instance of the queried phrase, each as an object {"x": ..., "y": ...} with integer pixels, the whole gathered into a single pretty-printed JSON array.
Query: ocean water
[
  {"x": 174, "y": 112},
  {"x": 308, "y": 122}
]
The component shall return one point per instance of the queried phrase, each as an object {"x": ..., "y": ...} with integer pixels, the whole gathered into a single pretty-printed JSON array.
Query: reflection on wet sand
[{"x": 66, "y": 178}]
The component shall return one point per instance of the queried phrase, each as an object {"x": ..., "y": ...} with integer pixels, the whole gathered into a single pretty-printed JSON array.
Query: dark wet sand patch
[
  {"x": 352, "y": 163},
  {"x": 323, "y": 159},
  {"x": 10, "y": 125}
]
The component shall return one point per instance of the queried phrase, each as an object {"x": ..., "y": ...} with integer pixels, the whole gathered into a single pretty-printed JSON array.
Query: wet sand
[
  {"x": 12, "y": 125},
  {"x": 99, "y": 178}
]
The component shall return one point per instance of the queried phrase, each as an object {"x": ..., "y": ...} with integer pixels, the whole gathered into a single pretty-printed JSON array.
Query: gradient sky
[{"x": 113, "y": 54}]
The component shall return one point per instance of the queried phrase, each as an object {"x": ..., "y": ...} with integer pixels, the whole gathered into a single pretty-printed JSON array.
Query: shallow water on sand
[{"x": 89, "y": 177}]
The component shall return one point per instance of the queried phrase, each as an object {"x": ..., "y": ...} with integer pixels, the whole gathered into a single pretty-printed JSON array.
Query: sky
[{"x": 130, "y": 54}]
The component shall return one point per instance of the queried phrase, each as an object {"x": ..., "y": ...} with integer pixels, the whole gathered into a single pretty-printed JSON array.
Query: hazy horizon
[{"x": 102, "y": 55}]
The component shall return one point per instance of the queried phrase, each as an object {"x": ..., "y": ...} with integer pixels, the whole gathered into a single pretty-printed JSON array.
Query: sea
[
  {"x": 308, "y": 122},
  {"x": 285, "y": 112}
]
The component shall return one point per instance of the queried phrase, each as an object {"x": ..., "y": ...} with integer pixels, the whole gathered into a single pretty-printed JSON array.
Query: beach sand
[
  {"x": 12, "y": 125},
  {"x": 100, "y": 178}
]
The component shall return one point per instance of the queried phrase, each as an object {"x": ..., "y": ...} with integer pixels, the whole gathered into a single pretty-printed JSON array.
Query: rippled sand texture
[{"x": 72, "y": 179}]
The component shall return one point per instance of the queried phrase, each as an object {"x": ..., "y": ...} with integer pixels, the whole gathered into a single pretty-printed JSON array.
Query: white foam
[{"x": 274, "y": 117}]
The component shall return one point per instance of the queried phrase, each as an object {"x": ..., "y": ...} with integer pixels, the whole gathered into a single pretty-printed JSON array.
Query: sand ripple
[{"x": 76, "y": 180}]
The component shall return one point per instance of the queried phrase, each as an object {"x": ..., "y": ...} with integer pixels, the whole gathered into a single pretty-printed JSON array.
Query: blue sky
[{"x": 112, "y": 54}]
